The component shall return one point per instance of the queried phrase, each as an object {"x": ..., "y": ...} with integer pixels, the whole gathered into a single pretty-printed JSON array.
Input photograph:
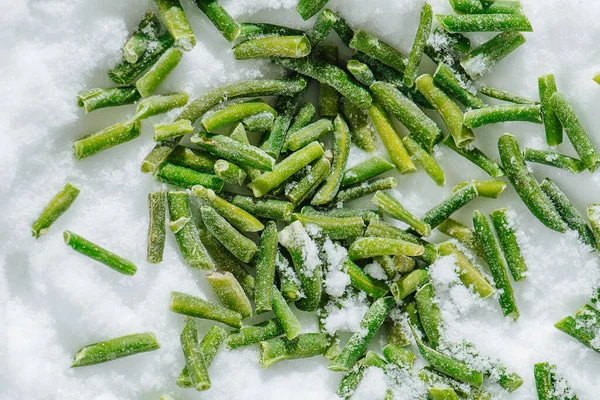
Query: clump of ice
[{"x": 345, "y": 314}]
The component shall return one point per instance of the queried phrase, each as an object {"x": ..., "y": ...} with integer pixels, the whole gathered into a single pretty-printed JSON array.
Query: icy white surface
[{"x": 53, "y": 300}]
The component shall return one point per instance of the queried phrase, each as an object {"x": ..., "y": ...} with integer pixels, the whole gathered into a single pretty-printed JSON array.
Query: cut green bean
[
  {"x": 330, "y": 75},
  {"x": 115, "y": 348},
  {"x": 365, "y": 170},
  {"x": 360, "y": 280},
  {"x": 209, "y": 346},
  {"x": 146, "y": 32},
  {"x": 484, "y": 232},
  {"x": 329, "y": 98},
  {"x": 251, "y": 30},
  {"x": 276, "y": 137},
  {"x": 249, "y": 335},
  {"x": 273, "y": 46},
  {"x": 172, "y": 15},
  {"x": 526, "y": 185},
  {"x": 302, "y": 346},
  {"x": 442, "y": 393},
  {"x": 230, "y": 292},
  {"x": 580, "y": 140},
  {"x": 469, "y": 275},
  {"x": 409, "y": 284},
  {"x": 308, "y": 134},
  {"x": 365, "y": 188},
  {"x": 423, "y": 129},
  {"x": 392, "y": 207},
  {"x": 429, "y": 314},
  {"x": 462, "y": 233},
  {"x": 265, "y": 268},
  {"x": 446, "y": 78},
  {"x": 486, "y": 7},
  {"x": 391, "y": 139},
  {"x": 379, "y": 50},
  {"x": 274, "y": 209},
  {"x": 593, "y": 213},
  {"x": 106, "y": 138},
  {"x": 503, "y": 95},
  {"x": 125, "y": 72},
  {"x": 95, "y": 252},
  {"x": 157, "y": 206},
  {"x": 321, "y": 28},
  {"x": 360, "y": 129},
  {"x": 172, "y": 129},
  {"x": 399, "y": 356},
  {"x": 357, "y": 345},
  {"x": 343, "y": 29},
  {"x": 450, "y": 205},
  {"x": 309, "y": 183},
  {"x": 549, "y": 385},
  {"x": 308, "y": 8},
  {"x": 368, "y": 247},
  {"x": 59, "y": 204},
  {"x": 508, "y": 243},
  {"x": 416, "y": 53},
  {"x": 196, "y": 307},
  {"x": 426, "y": 160},
  {"x": 289, "y": 284},
  {"x": 229, "y": 172},
  {"x": 220, "y": 18},
  {"x": 303, "y": 118},
  {"x": 337, "y": 228},
  {"x": 94, "y": 99},
  {"x": 149, "y": 82},
  {"x": 290, "y": 324},
  {"x": 195, "y": 365},
  {"x": 186, "y": 233},
  {"x": 552, "y": 125},
  {"x": 381, "y": 229},
  {"x": 554, "y": 160},
  {"x": 187, "y": 178},
  {"x": 239, "y": 245},
  {"x": 485, "y": 22},
  {"x": 477, "y": 157},
  {"x": 397, "y": 333},
  {"x": 307, "y": 264},
  {"x": 398, "y": 264},
  {"x": 584, "y": 327},
  {"x": 483, "y": 58},
  {"x": 490, "y": 189},
  {"x": 159, "y": 104},
  {"x": 361, "y": 72},
  {"x": 231, "y": 150},
  {"x": 235, "y": 112},
  {"x": 504, "y": 113},
  {"x": 193, "y": 159},
  {"x": 366, "y": 215}
]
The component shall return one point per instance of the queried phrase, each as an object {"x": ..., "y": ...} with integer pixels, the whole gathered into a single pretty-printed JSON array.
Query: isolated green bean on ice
[
  {"x": 308, "y": 134},
  {"x": 525, "y": 184},
  {"x": 504, "y": 113},
  {"x": 302, "y": 346},
  {"x": 95, "y": 252},
  {"x": 149, "y": 82},
  {"x": 391, "y": 139},
  {"x": 329, "y": 98},
  {"x": 477, "y": 157},
  {"x": 303, "y": 117},
  {"x": 484, "y": 232},
  {"x": 146, "y": 32},
  {"x": 229, "y": 172},
  {"x": 486, "y": 7},
  {"x": 392, "y": 207},
  {"x": 290, "y": 324},
  {"x": 252, "y": 30},
  {"x": 416, "y": 53},
  {"x": 254, "y": 333},
  {"x": 578, "y": 137},
  {"x": 230, "y": 292},
  {"x": 209, "y": 346},
  {"x": 94, "y": 99},
  {"x": 362, "y": 281},
  {"x": 172, "y": 15},
  {"x": 450, "y": 205},
  {"x": 321, "y": 28},
  {"x": 220, "y": 18},
  {"x": 365, "y": 170},
  {"x": 368, "y": 247},
  {"x": 554, "y": 160},
  {"x": 429, "y": 314},
  {"x": 491, "y": 189},
  {"x": 115, "y": 348},
  {"x": 195, "y": 366},
  {"x": 106, "y": 138},
  {"x": 381, "y": 229},
  {"x": 336, "y": 228},
  {"x": 446, "y": 78},
  {"x": 361, "y": 72},
  {"x": 186, "y": 178},
  {"x": 157, "y": 207},
  {"x": 593, "y": 213},
  {"x": 125, "y": 72},
  {"x": 196, "y": 307},
  {"x": 230, "y": 149},
  {"x": 447, "y": 109},
  {"x": 186, "y": 233},
  {"x": 331, "y": 75},
  {"x": 159, "y": 104},
  {"x": 274, "y": 209},
  {"x": 569, "y": 214},
  {"x": 366, "y": 215},
  {"x": 273, "y": 46},
  {"x": 484, "y": 22},
  {"x": 552, "y": 125},
  {"x": 308, "y": 8},
  {"x": 469, "y": 275},
  {"x": 423, "y": 129},
  {"x": 360, "y": 129},
  {"x": 239, "y": 245},
  {"x": 358, "y": 342},
  {"x": 426, "y": 160},
  {"x": 285, "y": 169},
  {"x": 265, "y": 268},
  {"x": 235, "y": 112},
  {"x": 172, "y": 129},
  {"x": 379, "y": 50},
  {"x": 195, "y": 159},
  {"x": 483, "y": 58},
  {"x": 59, "y": 204},
  {"x": 275, "y": 138},
  {"x": 503, "y": 95},
  {"x": 409, "y": 284},
  {"x": 508, "y": 243}
]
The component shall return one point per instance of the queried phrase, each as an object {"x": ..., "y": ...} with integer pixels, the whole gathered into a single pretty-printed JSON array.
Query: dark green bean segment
[
  {"x": 220, "y": 18},
  {"x": 503, "y": 95},
  {"x": 491, "y": 189},
  {"x": 578, "y": 137},
  {"x": 504, "y": 113},
  {"x": 290, "y": 324},
  {"x": 508, "y": 241},
  {"x": 289, "y": 284},
  {"x": 368, "y": 247},
  {"x": 447, "y": 79},
  {"x": 174, "y": 18},
  {"x": 429, "y": 314},
  {"x": 484, "y": 23},
  {"x": 330, "y": 75},
  {"x": 264, "y": 208},
  {"x": 462, "y": 233},
  {"x": 192, "y": 158},
  {"x": 209, "y": 346},
  {"x": 250, "y": 30},
  {"x": 336, "y": 228},
  {"x": 469, "y": 275},
  {"x": 196, "y": 307},
  {"x": 125, "y": 72},
  {"x": 360, "y": 129},
  {"x": 552, "y": 125},
  {"x": 157, "y": 207},
  {"x": 593, "y": 213},
  {"x": 230, "y": 292},
  {"x": 361, "y": 72},
  {"x": 99, "y": 254},
  {"x": 195, "y": 366},
  {"x": 477, "y": 157},
  {"x": 308, "y": 134},
  {"x": 550, "y": 385},
  {"x": 450, "y": 205},
  {"x": 584, "y": 327},
  {"x": 554, "y": 160},
  {"x": 360, "y": 280},
  {"x": 379, "y": 50},
  {"x": 365, "y": 170},
  {"x": 239, "y": 245},
  {"x": 230, "y": 149},
  {"x": 273, "y": 141},
  {"x": 146, "y": 32},
  {"x": 416, "y": 53},
  {"x": 303, "y": 118},
  {"x": 366, "y": 215},
  {"x": 265, "y": 268},
  {"x": 484, "y": 232},
  {"x": 483, "y": 58},
  {"x": 273, "y": 46},
  {"x": 308, "y": 8},
  {"x": 381, "y": 229},
  {"x": 106, "y": 138},
  {"x": 235, "y": 112},
  {"x": 426, "y": 160},
  {"x": 150, "y": 81},
  {"x": 93, "y": 99},
  {"x": 329, "y": 98},
  {"x": 321, "y": 28},
  {"x": 186, "y": 178},
  {"x": 486, "y": 7},
  {"x": 526, "y": 185},
  {"x": 159, "y": 104},
  {"x": 59, "y": 204},
  {"x": 409, "y": 284},
  {"x": 309, "y": 183},
  {"x": 302, "y": 346},
  {"x": 249, "y": 335},
  {"x": 115, "y": 348},
  {"x": 229, "y": 172},
  {"x": 392, "y": 207}
]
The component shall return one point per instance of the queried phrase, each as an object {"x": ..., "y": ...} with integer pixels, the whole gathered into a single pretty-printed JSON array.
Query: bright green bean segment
[{"x": 59, "y": 204}]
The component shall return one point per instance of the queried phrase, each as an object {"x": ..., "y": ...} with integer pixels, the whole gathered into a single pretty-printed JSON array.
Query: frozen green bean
[
  {"x": 149, "y": 82},
  {"x": 157, "y": 207},
  {"x": 115, "y": 348},
  {"x": 252, "y": 30},
  {"x": 94, "y": 99},
  {"x": 379, "y": 50},
  {"x": 239, "y": 245},
  {"x": 290, "y": 324},
  {"x": 483, "y": 58},
  {"x": 172, "y": 15},
  {"x": 220, "y": 18},
  {"x": 273, "y": 46},
  {"x": 146, "y": 32},
  {"x": 308, "y": 134},
  {"x": 95, "y": 252},
  {"x": 416, "y": 53},
  {"x": 442, "y": 393},
  {"x": 399, "y": 356},
  {"x": 274, "y": 209},
  {"x": 491, "y": 189},
  {"x": 209, "y": 346},
  {"x": 186, "y": 178},
  {"x": 365, "y": 188},
  {"x": 336, "y": 228},
  {"x": 230, "y": 292},
  {"x": 593, "y": 213},
  {"x": 159, "y": 104},
  {"x": 504, "y": 113},
  {"x": 486, "y": 7},
  {"x": 429, "y": 314},
  {"x": 195, "y": 366},
  {"x": 329, "y": 98},
  {"x": 554, "y": 160},
  {"x": 230, "y": 149},
  {"x": 368, "y": 247},
  {"x": 508, "y": 243},
  {"x": 584, "y": 327},
  {"x": 485, "y": 22},
  {"x": 308, "y": 8},
  {"x": 409, "y": 284},
  {"x": 477, "y": 157},
  {"x": 469, "y": 275},
  {"x": 381, "y": 229},
  {"x": 252, "y": 334},
  {"x": 172, "y": 129},
  {"x": 125, "y": 72},
  {"x": 360, "y": 129},
  {"x": 192, "y": 158},
  {"x": 276, "y": 137},
  {"x": 59, "y": 204},
  {"x": 289, "y": 284},
  {"x": 447, "y": 79},
  {"x": 309, "y": 183},
  {"x": 361, "y": 72},
  {"x": 196, "y": 307},
  {"x": 360, "y": 280},
  {"x": 229, "y": 172},
  {"x": 265, "y": 268},
  {"x": 106, "y": 138},
  {"x": 366, "y": 215},
  {"x": 321, "y": 28},
  {"x": 303, "y": 117},
  {"x": 462, "y": 233},
  {"x": 235, "y": 112},
  {"x": 552, "y": 125},
  {"x": 426, "y": 160},
  {"x": 302, "y": 346},
  {"x": 503, "y": 95},
  {"x": 365, "y": 170},
  {"x": 450, "y": 205},
  {"x": 392, "y": 207}
]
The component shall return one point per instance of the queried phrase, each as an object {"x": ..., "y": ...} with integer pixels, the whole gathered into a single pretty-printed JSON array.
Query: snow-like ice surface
[{"x": 53, "y": 300}]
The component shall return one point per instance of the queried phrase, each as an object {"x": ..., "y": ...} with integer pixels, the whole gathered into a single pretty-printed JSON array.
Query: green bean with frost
[
  {"x": 552, "y": 125},
  {"x": 554, "y": 160},
  {"x": 469, "y": 275},
  {"x": 508, "y": 243},
  {"x": 146, "y": 32},
  {"x": 229, "y": 172},
  {"x": 172, "y": 129},
  {"x": 95, "y": 252},
  {"x": 504, "y": 113},
  {"x": 94, "y": 99},
  {"x": 239, "y": 245},
  {"x": 231, "y": 150},
  {"x": 379, "y": 50},
  {"x": 360, "y": 129},
  {"x": 416, "y": 53},
  {"x": 59, "y": 204},
  {"x": 195, "y": 366},
  {"x": 186, "y": 178},
  {"x": 209, "y": 346},
  {"x": 484, "y": 22},
  {"x": 196, "y": 307},
  {"x": 166, "y": 63},
  {"x": 192, "y": 158},
  {"x": 392, "y": 207},
  {"x": 360, "y": 280},
  {"x": 230, "y": 292},
  {"x": 336, "y": 228},
  {"x": 303, "y": 117},
  {"x": 491, "y": 189},
  {"x": 273, "y": 46},
  {"x": 290, "y": 324},
  {"x": 276, "y": 137},
  {"x": 274, "y": 209},
  {"x": 252, "y": 30},
  {"x": 252, "y": 334},
  {"x": 308, "y": 8},
  {"x": 157, "y": 207},
  {"x": 446, "y": 78},
  {"x": 159, "y": 104},
  {"x": 593, "y": 213},
  {"x": 115, "y": 348},
  {"x": 308, "y": 134},
  {"x": 368, "y": 247},
  {"x": 302, "y": 346},
  {"x": 220, "y": 18},
  {"x": 106, "y": 138},
  {"x": 409, "y": 284},
  {"x": 486, "y": 7},
  {"x": 365, "y": 170},
  {"x": 125, "y": 72},
  {"x": 483, "y": 58},
  {"x": 265, "y": 268},
  {"x": 503, "y": 95},
  {"x": 477, "y": 157},
  {"x": 172, "y": 15},
  {"x": 426, "y": 160},
  {"x": 361, "y": 72},
  {"x": 429, "y": 314},
  {"x": 450, "y": 205}
]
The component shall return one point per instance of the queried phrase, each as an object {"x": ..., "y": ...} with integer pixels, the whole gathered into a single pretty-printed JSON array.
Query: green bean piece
[
  {"x": 172, "y": 129},
  {"x": 146, "y": 32},
  {"x": 209, "y": 346},
  {"x": 59, "y": 204},
  {"x": 426, "y": 160},
  {"x": 446, "y": 79},
  {"x": 485, "y": 23},
  {"x": 358, "y": 342},
  {"x": 239, "y": 135},
  {"x": 580, "y": 140},
  {"x": 230, "y": 292},
  {"x": 289, "y": 284},
  {"x": 486, "y": 7},
  {"x": 157, "y": 207},
  {"x": 365, "y": 188},
  {"x": 552, "y": 125},
  {"x": 308, "y": 184},
  {"x": 351, "y": 380},
  {"x": 409, "y": 284},
  {"x": 337, "y": 228},
  {"x": 503, "y": 95},
  {"x": 308, "y": 8},
  {"x": 549, "y": 385},
  {"x": 569, "y": 214},
  {"x": 442, "y": 393},
  {"x": 274, "y": 209},
  {"x": 276, "y": 137},
  {"x": 220, "y": 18},
  {"x": 187, "y": 178},
  {"x": 363, "y": 282},
  {"x": 249, "y": 335},
  {"x": 308, "y": 134},
  {"x": 398, "y": 356},
  {"x": 265, "y": 268},
  {"x": 469, "y": 275},
  {"x": 392, "y": 207},
  {"x": 504, "y": 113},
  {"x": 477, "y": 157},
  {"x": 365, "y": 170},
  {"x": 231, "y": 150},
  {"x": 95, "y": 252},
  {"x": 172, "y": 15},
  {"x": 553, "y": 159},
  {"x": 285, "y": 169},
  {"x": 391, "y": 139},
  {"x": 290, "y": 324},
  {"x": 106, "y": 138},
  {"x": 360, "y": 129},
  {"x": 321, "y": 28},
  {"x": 429, "y": 314},
  {"x": 331, "y": 75},
  {"x": 366, "y": 215},
  {"x": 361, "y": 72},
  {"x": 302, "y": 118},
  {"x": 229, "y": 172},
  {"x": 526, "y": 186},
  {"x": 508, "y": 243},
  {"x": 379, "y": 50},
  {"x": 396, "y": 334},
  {"x": 251, "y": 30},
  {"x": 93, "y": 99},
  {"x": 273, "y": 46},
  {"x": 423, "y": 129},
  {"x": 491, "y": 189},
  {"x": 450, "y": 205},
  {"x": 395, "y": 265},
  {"x": 329, "y": 98},
  {"x": 239, "y": 245},
  {"x": 461, "y": 233},
  {"x": 235, "y": 112},
  {"x": 304, "y": 254},
  {"x": 115, "y": 348},
  {"x": 381, "y": 229},
  {"x": 149, "y": 82},
  {"x": 483, "y": 58},
  {"x": 304, "y": 345},
  {"x": 196, "y": 307},
  {"x": 368, "y": 247},
  {"x": 125, "y": 72},
  {"x": 159, "y": 104},
  {"x": 193, "y": 159},
  {"x": 580, "y": 331},
  {"x": 484, "y": 232},
  {"x": 195, "y": 366},
  {"x": 416, "y": 53},
  {"x": 593, "y": 213}
]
